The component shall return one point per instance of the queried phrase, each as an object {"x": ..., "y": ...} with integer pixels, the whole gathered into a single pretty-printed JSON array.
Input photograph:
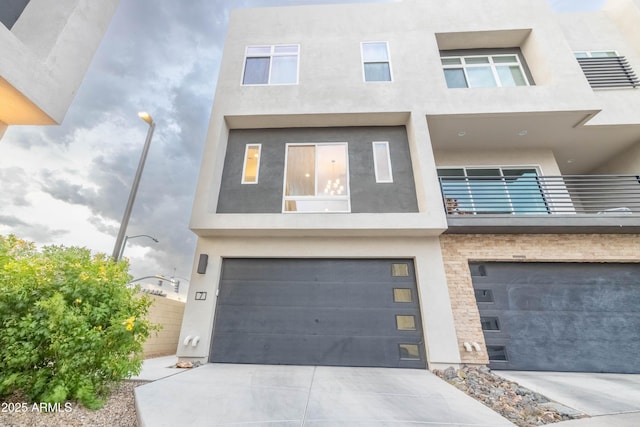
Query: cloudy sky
[{"x": 69, "y": 184}]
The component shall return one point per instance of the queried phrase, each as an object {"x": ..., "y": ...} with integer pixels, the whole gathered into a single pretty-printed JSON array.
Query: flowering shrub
[{"x": 70, "y": 326}]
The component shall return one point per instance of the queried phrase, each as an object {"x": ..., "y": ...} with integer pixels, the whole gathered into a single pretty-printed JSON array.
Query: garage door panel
[
  {"x": 566, "y": 325},
  {"x": 311, "y": 320},
  {"x": 560, "y": 316},
  {"x": 580, "y": 356},
  {"x": 329, "y": 270},
  {"x": 569, "y": 297},
  {"x": 566, "y": 273},
  {"x": 320, "y": 350},
  {"x": 342, "y": 312},
  {"x": 309, "y": 294}
]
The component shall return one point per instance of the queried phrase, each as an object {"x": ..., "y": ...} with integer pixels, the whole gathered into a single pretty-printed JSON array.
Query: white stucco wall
[
  {"x": 617, "y": 28},
  {"x": 44, "y": 57},
  {"x": 543, "y": 159},
  {"x": 331, "y": 90}
]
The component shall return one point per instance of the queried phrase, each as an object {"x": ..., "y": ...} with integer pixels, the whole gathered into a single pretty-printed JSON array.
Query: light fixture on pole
[
  {"x": 126, "y": 238},
  {"x": 117, "y": 249}
]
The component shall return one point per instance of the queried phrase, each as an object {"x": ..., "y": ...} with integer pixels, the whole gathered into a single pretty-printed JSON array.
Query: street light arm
[{"x": 126, "y": 239}]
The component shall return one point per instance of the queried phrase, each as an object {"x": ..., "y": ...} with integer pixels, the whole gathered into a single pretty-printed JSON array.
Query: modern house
[
  {"x": 45, "y": 50},
  {"x": 422, "y": 184}
]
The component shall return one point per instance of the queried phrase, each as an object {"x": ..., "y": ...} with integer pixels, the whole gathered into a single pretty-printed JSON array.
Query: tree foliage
[{"x": 70, "y": 326}]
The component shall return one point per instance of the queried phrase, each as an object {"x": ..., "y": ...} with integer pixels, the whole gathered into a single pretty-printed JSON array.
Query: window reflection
[{"x": 316, "y": 178}]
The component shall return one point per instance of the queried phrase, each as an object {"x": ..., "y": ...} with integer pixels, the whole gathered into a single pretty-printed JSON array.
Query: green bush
[{"x": 70, "y": 326}]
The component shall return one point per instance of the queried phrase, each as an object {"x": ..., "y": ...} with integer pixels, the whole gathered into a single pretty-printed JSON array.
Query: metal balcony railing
[{"x": 541, "y": 195}]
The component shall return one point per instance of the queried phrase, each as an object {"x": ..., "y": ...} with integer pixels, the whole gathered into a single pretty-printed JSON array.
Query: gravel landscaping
[
  {"x": 519, "y": 405},
  {"x": 118, "y": 411}
]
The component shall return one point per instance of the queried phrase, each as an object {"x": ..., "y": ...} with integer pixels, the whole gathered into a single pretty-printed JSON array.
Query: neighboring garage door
[
  {"x": 338, "y": 312},
  {"x": 571, "y": 317}
]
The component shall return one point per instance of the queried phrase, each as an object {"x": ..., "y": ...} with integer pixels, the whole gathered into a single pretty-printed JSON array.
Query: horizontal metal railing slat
[{"x": 541, "y": 195}]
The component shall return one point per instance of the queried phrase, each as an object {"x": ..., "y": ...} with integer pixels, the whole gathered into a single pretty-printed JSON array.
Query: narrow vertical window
[
  {"x": 251, "y": 164},
  {"x": 382, "y": 161},
  {"x": 375, "y": 60}
]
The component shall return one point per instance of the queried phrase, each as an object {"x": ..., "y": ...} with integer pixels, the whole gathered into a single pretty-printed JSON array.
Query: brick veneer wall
[
  {"x": 168, "y": 313},
  {"x": 459, "y": 249}
]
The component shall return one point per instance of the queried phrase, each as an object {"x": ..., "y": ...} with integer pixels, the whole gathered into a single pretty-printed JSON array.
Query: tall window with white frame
[
  {"x": 375, "y": 61},
  {"x": 271, "y": 65},
  {"x": 251, "y": 167},
  {"x": 472, "y": 71},
  {"x": 316, "y": 178},
  {"x": 382, "y": 162}
]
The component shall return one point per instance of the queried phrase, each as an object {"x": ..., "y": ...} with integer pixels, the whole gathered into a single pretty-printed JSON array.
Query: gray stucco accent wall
[{"x": 367, "y": 196}]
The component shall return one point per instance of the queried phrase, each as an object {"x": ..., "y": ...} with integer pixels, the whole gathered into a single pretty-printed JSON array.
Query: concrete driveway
[
  {"x": 610, "y": 399},
  {"x": 287, "y": 396}
]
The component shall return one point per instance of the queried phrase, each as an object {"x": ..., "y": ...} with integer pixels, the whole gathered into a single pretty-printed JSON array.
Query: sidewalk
[{"x": 158, "y": 368}]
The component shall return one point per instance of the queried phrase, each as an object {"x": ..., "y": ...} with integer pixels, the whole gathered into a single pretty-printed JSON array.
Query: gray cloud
[
  {"x": 34, "y": 232},
  {"x": 14, "y": 182}
]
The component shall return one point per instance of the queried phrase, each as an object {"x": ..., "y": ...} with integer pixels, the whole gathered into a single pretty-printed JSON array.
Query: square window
[
  {"x": 251, "y": 164},
  {"x": 271, "y": 65},
  {"x": 497, "y": 353},
  {"x": 316, "y": 178},
  {"x": 490, "y": 323},
  {"x": 402, "y": 295},
  {"x": 409, "y": 351},
  {"x": 375, "y": 62},
  {"x": 399, "y": 270},
  {"x": 405, "y": 322},
  {"x": 483, "y": 295},
  {"x": 478, "y": 270}
]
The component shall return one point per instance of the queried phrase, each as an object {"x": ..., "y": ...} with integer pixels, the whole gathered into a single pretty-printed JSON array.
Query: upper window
[
  {"x": 316, "y": 178},
  {"x": 483, "y": 71},
  {"x": 271, "y": 65},
  {"x": 251, "y": 164},
  {"x": 375, "y": 62},
  {"x": 605, "y": 69},
  {"x": 595, "y": 54}
]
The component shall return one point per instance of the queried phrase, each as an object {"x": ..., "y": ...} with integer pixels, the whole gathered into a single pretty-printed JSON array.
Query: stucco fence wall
[
  {"x": 168, "y": 313},
  {"x": 458, "y": 250}
]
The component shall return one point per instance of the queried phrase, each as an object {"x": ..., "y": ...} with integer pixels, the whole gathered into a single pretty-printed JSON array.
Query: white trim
[
  {"x": 375, "y": 162},
  {"x": 388, "y": 61},
  {"x": 346, "y": 197},
  {"x": 244, "y": 164}
]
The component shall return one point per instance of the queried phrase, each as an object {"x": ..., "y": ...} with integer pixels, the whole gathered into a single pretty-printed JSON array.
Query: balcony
[{"x": 528, "y": 203}]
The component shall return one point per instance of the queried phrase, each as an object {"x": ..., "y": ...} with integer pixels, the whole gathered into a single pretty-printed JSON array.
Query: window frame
[
  {"x": 245, "y": 161},
  {"x": 271, "y": 55},
  {"x": 491, "y": 64},
  {"x": 379, "y": 180},
  {"x": 388, "y": 61},
  {"x": 347, "y": 184},
  {"x": 589, "y": 53}
]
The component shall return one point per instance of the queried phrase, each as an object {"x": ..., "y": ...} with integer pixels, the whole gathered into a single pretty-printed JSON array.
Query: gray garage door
[
  {"x": 337, "y": 312},
  {"x": 560, "y": 316}
]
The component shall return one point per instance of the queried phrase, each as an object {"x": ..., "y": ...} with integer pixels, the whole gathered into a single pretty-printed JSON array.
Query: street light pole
[
  {"x": 134, "y": 188},
  {"x": 126, "y": 239}
]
